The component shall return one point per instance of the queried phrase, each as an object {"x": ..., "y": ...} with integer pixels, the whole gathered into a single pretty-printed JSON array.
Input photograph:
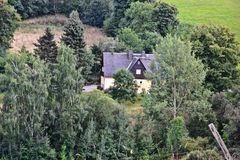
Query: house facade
[{"x": 136, "y": 63}]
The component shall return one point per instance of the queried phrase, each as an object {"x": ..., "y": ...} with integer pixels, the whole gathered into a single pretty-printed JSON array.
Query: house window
[
  {"x": 138, "y": 71},
  {"x": 138, "y": 63}
]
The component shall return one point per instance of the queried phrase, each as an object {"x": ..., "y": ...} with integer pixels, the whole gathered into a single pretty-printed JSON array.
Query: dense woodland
[{"x": 45, "y": 114}]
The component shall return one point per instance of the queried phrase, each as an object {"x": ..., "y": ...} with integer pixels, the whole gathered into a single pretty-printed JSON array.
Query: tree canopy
[
  {"x": 9, "y": 22},
  {"x": 124, "y": 86},
  {"x": 219, "y": 51}
]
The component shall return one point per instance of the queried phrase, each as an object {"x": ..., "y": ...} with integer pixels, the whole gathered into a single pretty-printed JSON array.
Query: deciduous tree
[
  {"x": 67, "y": 112},
  {"x": 176, "y": 133},
  {"x": 139, "y": 17},
  {"x": 124, "y": 86},
  {"x": 165, "y": 16},
  {"x": 26, "y": 80},
  {"x": 219, "y": 51},
  {"x": 130, "y": 39}
]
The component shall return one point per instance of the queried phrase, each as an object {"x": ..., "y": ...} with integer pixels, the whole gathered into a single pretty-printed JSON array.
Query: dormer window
[{"x": 138, "y": 71}]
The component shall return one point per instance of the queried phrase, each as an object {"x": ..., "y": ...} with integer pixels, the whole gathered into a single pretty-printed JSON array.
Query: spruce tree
[
  {"x": 47, "y": 47},
  {"x": 73, "y": 37}
]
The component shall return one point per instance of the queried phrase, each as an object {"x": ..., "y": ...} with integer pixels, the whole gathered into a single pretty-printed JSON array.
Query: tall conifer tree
[
  {"x": 47, "y": 47},
  {"x": 74, "y": 38}
]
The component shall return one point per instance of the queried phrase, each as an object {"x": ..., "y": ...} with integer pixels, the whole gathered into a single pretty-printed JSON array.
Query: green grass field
[{"x": 217, "y": 12}]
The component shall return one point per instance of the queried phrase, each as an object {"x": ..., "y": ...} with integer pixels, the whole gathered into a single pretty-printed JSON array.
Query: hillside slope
[
  {"x": 30, "y": 30},
  {"x": 217, "y": 12}
]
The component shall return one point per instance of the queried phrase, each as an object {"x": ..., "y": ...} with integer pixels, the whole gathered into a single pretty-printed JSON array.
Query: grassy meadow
[
  {"x": 217, "y": 12},
  {"x": 30, "y": 30}
]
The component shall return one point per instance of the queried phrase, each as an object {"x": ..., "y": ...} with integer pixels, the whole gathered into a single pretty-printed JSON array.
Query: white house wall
[{"x": 143, "y": 85}]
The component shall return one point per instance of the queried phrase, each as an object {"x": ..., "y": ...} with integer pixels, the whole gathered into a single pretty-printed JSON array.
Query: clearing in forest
[{"x": 30, "y": 30}]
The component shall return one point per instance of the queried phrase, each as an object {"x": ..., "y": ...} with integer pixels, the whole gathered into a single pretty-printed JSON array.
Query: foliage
[
  {"x": 226, "y": 107},
  {"x": 166, "y": 18},
  {"x": 150, "y": 40},
  {"x": 27, "y": 80},
  {"x": 97, "y": 67},
  {"x": 111, "y": 25},
  {"x": 176, "y": 73},
  {"x": 46, "y": 47},
  {"x": 124, "y": 87},
  {"x": 9, "y": 21},
  {"x": 176, "y": 132},
  {"x": 73, "y": 37},
  {"x": 219, "y": 51},
  {"x": 130, "y": 39},
  {"x": 66, "y": 111},
  {"x": 94, "y": 12},
  {"x": 139, "y": 17},
  {"x": 200, "y": 155},
  {"x": 33, "y": 8},
  {"x": 112, "y": 45}
]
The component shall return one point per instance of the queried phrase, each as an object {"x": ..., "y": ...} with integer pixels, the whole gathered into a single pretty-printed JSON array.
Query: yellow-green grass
[
  {"x": 217, "y": 12},
  {"x": 134, "y": 108},
  {"x": 1, "y": 98},
  {"x": 30, "y": 30}
]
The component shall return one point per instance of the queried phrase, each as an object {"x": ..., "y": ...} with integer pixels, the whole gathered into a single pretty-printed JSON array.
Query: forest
[{"x": 46, "y": 114}]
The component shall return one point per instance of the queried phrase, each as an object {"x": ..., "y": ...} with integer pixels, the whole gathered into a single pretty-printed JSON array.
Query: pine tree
[
  {"x": 73, "y": 37},
  {"x": 47, "y": 47}
]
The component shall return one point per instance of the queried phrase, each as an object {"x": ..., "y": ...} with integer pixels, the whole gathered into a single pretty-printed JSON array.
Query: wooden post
[{"x": 220, "y": 142}]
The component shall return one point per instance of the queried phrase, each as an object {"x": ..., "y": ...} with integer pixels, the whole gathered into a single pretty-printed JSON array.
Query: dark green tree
[
  {"x": 94, "y": 12},
  {"x": 22, "y": 135},
  {"x": 219, "y": 51},
  {"x": 165, "y": 16},
  {"x": 124, "y": 87},
  {"x": 46, "y": 47},
  {"x": 9, "y": 21},
  {"x": 30, "y": 8},
  {"x": 65, "y": 107},
  {"x": 97, "y": 67},
  {"x": 112, "y": 24},
  {"x": 74, "y": 38}
]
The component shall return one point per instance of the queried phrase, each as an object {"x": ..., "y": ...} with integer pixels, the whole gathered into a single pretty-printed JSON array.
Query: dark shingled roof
[{"x": 112, "y": 62}]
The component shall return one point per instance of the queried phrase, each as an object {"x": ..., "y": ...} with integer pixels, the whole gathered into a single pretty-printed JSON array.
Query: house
[{"x": 136, "y": 63}]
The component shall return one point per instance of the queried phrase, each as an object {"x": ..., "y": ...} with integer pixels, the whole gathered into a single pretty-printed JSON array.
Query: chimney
[
  {"x": 143, "y": 54},
  {"x": 130, "y": 55}
]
